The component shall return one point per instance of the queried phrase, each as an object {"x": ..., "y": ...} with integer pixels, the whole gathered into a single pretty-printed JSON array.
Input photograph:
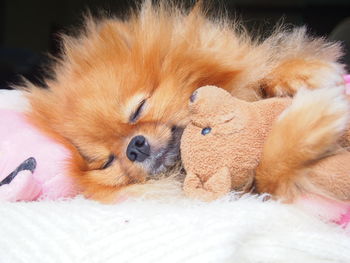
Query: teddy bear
[
  {"x": 32, "y": 165},
  {"x": 222, "y": 145}
]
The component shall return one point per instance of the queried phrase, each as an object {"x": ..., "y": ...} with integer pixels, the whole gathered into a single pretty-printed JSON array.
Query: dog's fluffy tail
[{"x": 305, "y": 132}]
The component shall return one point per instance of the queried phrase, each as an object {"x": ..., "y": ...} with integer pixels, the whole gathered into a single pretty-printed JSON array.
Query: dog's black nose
[{"x": 138, "y": 149}]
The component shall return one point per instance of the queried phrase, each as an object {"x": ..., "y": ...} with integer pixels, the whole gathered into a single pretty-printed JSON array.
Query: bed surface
[{"x": 175, "y": 230}]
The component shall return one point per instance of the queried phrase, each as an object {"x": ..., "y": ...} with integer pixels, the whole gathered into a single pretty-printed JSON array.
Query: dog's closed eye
[
  {"x": 109, "y": 162},
  {"x": 137, "y": 113}
]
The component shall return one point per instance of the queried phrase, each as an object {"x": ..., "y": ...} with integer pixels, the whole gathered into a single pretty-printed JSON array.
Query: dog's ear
[{"x": 86, "y": 45}]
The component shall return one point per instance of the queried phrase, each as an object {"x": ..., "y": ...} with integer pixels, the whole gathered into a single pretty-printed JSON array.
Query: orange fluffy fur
[{"x": 162, "y": 54}]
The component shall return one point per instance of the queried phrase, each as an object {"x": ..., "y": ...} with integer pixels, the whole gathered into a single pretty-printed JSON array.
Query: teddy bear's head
[
  {"x": 210, "y": 106},
  {"x": 217, "y": 135}
]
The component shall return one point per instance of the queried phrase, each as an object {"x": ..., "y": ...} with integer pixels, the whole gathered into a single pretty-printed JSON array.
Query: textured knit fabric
[{"x": 246, "y": 230}]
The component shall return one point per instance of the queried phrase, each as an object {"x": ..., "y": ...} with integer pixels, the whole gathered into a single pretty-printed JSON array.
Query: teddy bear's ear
[
  {"x": 211, "y": 100},
  {"x": 209, "y": 92},
  {"x": 207, "y": 97}
]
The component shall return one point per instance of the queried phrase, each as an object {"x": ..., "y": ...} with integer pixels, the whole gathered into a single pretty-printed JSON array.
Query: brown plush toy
[{"x": 222, "y": 146}]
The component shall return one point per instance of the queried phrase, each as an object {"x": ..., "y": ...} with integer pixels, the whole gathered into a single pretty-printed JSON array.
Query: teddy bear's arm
[
  {"x": 220, "y": 183},
  {"x": 193, "y": 187},
  {"x": 331, "y": 176},
  {"x": 215, "y": 187}
]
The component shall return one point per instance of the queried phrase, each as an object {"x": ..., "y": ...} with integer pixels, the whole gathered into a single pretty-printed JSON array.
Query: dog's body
[{"x": 119, "y": 94}]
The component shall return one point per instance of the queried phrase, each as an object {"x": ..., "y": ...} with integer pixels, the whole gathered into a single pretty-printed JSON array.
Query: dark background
[{"x": 29, "y": 28}]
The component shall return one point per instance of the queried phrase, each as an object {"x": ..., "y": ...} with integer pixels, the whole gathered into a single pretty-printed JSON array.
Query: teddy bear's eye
[{"x": 206, "y": 130}]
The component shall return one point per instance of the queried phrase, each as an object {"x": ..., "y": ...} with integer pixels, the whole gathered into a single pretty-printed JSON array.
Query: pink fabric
[
  {"x": 344, "y": 219},
  {"x": 328, "y": 209},
  {"x": 19, "y": 141},
  {"x": 347, "y": 84}
]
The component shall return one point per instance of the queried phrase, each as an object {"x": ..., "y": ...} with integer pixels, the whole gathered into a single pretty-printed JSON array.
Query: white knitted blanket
[
  {"x": 246, "y": 230},
  {"x": 180, "y": 230}
]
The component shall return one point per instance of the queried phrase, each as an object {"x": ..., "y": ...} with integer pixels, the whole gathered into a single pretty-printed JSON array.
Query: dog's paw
[{"x": 297, "y": 74}]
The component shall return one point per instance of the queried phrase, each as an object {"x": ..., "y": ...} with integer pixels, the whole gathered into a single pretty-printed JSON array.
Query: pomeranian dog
[{"x": 118, "y": 95}]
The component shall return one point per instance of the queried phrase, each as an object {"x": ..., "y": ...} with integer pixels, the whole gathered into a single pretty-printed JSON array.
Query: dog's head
[{"x": 119, "y": 94}]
